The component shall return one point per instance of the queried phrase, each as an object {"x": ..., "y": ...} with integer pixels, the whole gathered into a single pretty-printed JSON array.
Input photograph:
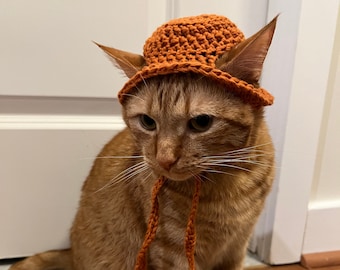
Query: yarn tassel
[
  {"x": 152, "y": 226},
  {"x": 190, "y": 234}
]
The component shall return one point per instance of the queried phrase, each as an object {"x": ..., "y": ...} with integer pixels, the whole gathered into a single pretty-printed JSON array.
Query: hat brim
[{"x": 247, "y": 92}]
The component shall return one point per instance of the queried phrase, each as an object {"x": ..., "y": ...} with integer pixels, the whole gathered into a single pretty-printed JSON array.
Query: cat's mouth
[
  {"x": 175, "y": 172},
  {"x": 177, "y": 175}
]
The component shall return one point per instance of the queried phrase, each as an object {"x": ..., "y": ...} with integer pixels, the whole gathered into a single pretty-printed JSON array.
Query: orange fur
[{"x": 180, "y": 128}]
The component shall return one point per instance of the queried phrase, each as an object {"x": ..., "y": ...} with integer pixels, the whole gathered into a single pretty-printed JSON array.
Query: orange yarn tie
[
  {"x": 152, "y": 226},
  {"x": 190, "y": 234}
]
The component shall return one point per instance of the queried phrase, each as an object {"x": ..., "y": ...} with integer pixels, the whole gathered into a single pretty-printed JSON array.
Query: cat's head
[{"x": 179, "y": 120}]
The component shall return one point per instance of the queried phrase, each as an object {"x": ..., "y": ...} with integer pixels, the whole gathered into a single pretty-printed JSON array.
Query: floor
[
  {"x": 251, "y": 261},
  {"x": 4, "y": 266},
  {"x": 257, "y": 266},
  {"x": 290, "y": 267}
]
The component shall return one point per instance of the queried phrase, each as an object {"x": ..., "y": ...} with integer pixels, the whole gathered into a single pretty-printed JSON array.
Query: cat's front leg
[
  {"x": 232, "y": 261},
  {"x": 168, "y": 257},
  {"x": 228, "y": 266}
]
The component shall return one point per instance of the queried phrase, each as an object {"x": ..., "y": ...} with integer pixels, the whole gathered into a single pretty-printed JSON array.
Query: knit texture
[{"x": 193, "y": 44}]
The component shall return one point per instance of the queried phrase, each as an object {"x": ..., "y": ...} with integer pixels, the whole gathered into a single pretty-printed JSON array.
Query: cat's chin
[{"x": 177, "y": 177}]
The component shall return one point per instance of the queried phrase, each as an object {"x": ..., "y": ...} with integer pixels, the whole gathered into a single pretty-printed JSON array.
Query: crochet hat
[{"x": 193, "y": 44}]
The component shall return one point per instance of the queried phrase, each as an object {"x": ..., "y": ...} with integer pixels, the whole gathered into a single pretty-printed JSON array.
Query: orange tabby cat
[{"x": 183, "y": 121}]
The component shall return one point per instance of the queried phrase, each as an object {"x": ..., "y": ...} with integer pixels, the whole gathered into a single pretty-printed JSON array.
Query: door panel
[
  {"x": 47, "y": 48},
  {"x": 57, "y": 108},
  {"x": 248, "y": 15}
]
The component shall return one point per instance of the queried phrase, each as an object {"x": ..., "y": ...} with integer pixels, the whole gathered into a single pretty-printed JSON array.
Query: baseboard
[
  {"x": 319, "y": 260},
  {"x": 322, "y": 228}
]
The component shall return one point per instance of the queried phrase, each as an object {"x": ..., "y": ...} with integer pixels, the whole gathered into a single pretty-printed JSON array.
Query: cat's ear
[
  {"x": 245, "y": 60},
  {"x": 128, "y": 62}
]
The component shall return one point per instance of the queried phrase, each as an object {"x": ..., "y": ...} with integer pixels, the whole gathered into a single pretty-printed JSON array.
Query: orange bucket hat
[{"x": 193, "y": 44}]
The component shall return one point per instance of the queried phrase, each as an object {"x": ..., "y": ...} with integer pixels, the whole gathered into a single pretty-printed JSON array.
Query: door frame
[{"x": 279, "y": 236}]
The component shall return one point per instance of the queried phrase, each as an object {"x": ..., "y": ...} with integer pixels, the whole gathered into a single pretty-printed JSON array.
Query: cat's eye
[
  {"x": 200, "y": 123},
  {"x": 147, "y": 122}
]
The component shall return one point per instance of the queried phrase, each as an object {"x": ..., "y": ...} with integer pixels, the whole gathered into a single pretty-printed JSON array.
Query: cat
[{"x": 181, "y": 126}]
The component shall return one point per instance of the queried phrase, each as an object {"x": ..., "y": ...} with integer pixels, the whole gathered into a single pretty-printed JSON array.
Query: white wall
[
  {"x": 323, "y": 221},
  {"x": 277, "y": 77},
  {"x": 326, "y": 186},
  {"x": 248, "y": 15},
  {"x": 308, "y": 91}
]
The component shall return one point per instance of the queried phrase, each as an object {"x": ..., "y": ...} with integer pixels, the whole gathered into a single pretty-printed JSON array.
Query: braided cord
[
  {"x": 152, "y": 226},
  {"x": 190, "y": 234}
]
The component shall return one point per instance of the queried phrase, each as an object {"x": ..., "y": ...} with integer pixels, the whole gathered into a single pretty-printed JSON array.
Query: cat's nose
[
  {"x": 167, "y": 152},
  {"x": 166, "y": 162}
]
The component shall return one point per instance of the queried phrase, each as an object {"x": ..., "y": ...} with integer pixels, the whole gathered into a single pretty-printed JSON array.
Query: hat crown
[
  {"x": 198, "y": 39},
  {"x": 193, "y": 44}
]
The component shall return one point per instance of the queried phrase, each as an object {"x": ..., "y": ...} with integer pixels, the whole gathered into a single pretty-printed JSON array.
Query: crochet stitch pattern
[{"x": 193, "y": 44}]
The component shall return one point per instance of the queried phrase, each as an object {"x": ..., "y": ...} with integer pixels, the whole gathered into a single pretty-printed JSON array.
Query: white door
[
  {"x": 58, "y": 107},
  {"x": 57, "y": 101},
  {"x": 306, "y": 57}
]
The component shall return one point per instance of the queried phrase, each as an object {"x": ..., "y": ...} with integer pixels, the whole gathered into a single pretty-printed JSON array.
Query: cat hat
[{"x": 193, "y": 44}]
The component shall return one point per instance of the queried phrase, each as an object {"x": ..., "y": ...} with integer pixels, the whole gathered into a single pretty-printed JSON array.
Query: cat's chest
[
  {"x": 217, "y": 209},
  {"x": 215, "y": 222}
]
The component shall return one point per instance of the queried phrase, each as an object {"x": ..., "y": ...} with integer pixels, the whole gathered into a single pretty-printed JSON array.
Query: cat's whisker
[
  {"x": 228, "y": 157},
  {"x": 249, "y": 148},
  {"x": 146, "y": 178},
  {"x": 240, "y": 160},
  {"x": 128, "y": 170},
  {"x": 144, "y": 81},
  {"x": 247, "y": 152},
  {"x": 128, "y": 63},
  {"x": 209, "y": 170},
  {"x": 136, "y": 172},
  {"x": 234, "y": 158},
  {"x": 254, "y": 153},
  {"x": 126, "y": 174},
  {"x": 200, "y": 175},
  {"x": 125, "y": 177},
  {"x": 245, "y": 155},
  {"x": 125, "y": 61},
  {"x": 207, "y": 178},
  {"x": 227, "y": 166}
]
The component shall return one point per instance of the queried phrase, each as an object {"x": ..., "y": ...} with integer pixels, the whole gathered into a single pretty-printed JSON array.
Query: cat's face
[
  {"x": 186, "y": 124},
  {"x": 179, "y": 121}
]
